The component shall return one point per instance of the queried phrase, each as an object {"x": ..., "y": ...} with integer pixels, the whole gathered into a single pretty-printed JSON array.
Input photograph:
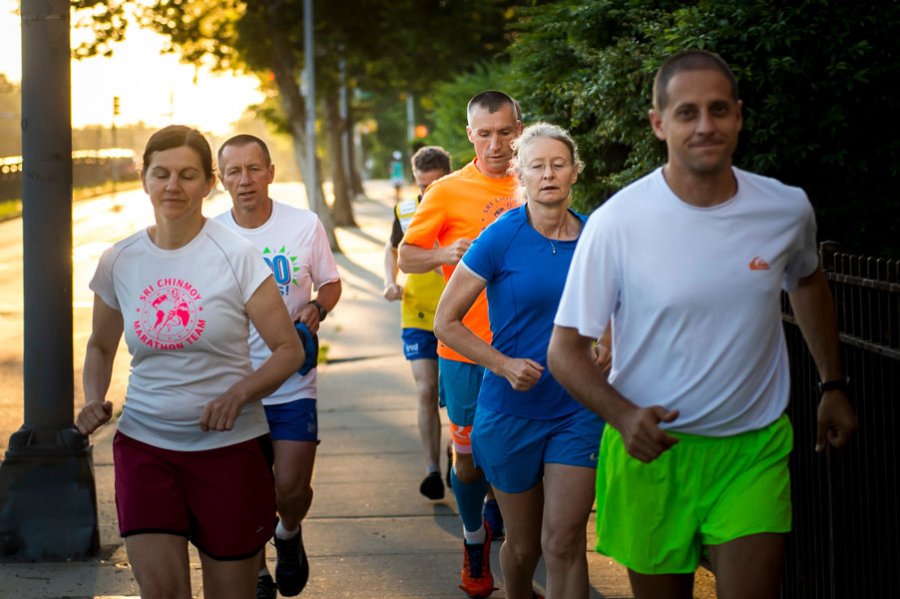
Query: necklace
[{"x": 549, "y": 239}]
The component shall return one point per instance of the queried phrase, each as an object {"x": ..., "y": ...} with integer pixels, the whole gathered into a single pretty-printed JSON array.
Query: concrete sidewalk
[{"x": 369, "y": 533}]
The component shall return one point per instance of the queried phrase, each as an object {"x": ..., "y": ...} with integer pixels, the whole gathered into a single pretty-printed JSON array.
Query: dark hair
[
  {"x": 431, "y": 158},
  {"x": 243, "y": 140},
  {"x": 177, "y": 136},
  {"x": 689, "y": 60},
  {"x": 493, "y": 101}
]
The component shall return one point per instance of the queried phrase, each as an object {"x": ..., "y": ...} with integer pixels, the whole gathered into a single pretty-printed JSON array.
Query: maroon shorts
[{"x": 222, "y": 500}]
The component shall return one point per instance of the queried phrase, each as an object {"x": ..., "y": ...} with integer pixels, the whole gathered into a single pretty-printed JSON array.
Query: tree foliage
[
  {"x": 815, "y": 79},
  {"x": 106, "y": 22}
]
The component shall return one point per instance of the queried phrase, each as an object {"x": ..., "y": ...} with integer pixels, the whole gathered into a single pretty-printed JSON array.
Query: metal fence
[
  {"x": 846, "y": 539},
  {"x": 90, "y": 168}
]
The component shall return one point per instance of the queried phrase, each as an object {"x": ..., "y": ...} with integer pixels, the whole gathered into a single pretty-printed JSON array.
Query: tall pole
[
  {"x": 113, "y": 159},
  {"x": 47, "y": 488},
  {"x": 344, "y": 114},
  {"x": 410, "y": 117},
  {"x": 310, "y": 79}
]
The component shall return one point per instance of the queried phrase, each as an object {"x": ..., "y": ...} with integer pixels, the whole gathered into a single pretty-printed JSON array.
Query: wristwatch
[
  {"x": 322, "y": 311},
  {"x": 841, "y": 384}
]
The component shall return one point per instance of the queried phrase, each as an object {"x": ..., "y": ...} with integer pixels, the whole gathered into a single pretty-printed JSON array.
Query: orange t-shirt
[{"x": 459, "y": 205}]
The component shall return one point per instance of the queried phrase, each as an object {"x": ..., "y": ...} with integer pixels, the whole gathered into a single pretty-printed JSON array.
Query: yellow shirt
[{"x": 422, "y": 291}]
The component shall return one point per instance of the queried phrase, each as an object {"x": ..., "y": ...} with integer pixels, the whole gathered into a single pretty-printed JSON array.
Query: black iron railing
[
  {"x": 90, "y": 168},
  {"x": 846, "y": 539}
]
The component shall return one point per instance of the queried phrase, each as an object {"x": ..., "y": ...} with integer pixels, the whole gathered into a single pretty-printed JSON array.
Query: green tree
[
  {"x": 388, "y": 46},
  {"x": 815, "y": 79}
]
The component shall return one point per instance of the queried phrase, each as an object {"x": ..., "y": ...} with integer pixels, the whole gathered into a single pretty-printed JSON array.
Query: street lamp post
[{"x": 48, "y": 505}]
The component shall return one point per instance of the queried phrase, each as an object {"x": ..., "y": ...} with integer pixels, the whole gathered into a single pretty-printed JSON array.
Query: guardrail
[{"x": 89, "y": 168}]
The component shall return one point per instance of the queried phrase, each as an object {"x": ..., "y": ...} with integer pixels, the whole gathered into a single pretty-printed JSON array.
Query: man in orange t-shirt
[{"x": 454, "y": 210}]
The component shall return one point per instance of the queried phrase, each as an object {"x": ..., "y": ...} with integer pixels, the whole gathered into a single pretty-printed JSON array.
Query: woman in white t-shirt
[{"x": 192, "y": 454}]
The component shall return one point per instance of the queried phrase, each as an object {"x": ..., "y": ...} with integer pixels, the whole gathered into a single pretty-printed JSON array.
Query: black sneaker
[
  {"x": 432, "y": 486},
  {"x": 292, "y": 569},
  {"x": 265, "y": 587}
]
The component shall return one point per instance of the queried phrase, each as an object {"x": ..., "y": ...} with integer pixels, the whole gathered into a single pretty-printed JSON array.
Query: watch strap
[
  {"x": 841, "y": 384},
  {"x": 322, "y": 311}
]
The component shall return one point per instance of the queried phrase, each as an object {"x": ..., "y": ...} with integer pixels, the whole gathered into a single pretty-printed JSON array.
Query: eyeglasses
[{"x": 538, "y": 168}]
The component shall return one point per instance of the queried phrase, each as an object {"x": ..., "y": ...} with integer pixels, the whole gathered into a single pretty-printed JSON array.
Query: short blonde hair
[{"x": 540, "y": 130}]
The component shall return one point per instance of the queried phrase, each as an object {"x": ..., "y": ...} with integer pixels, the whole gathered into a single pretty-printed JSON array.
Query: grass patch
[{"x": 10, "y": 209}]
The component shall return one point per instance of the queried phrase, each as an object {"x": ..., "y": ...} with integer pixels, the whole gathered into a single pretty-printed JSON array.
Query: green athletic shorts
[{"x": 654, "y": 518}]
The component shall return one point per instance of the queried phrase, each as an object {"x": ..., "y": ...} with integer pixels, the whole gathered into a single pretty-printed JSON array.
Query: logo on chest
[
  {"x": 759, "y": 264},
  {"x": 493, "y": 209},
  {"x": 284, "y": 268},
  {"x": 169, "y": 315}
]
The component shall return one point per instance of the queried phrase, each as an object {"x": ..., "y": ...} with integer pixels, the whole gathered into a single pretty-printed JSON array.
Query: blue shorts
[
  {"x": 294, "y": 421},
  {"x": 458, "y": 387},
  {"x": 512, "y": 450},
  {"x": 419, "y": 344}
]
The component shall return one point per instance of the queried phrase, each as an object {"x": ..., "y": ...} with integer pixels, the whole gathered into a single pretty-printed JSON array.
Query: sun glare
[{"x": 152, "y": 87}]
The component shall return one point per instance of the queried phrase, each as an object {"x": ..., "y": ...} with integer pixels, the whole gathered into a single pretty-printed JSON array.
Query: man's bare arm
[
  {"x": 814, "y": 310},
  {"x": 417, "y": 260}
]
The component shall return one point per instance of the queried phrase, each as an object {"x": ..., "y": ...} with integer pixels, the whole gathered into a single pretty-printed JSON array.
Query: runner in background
[
  {"x": 418, "y": 301},
  {"x": 294, "y": 245}
]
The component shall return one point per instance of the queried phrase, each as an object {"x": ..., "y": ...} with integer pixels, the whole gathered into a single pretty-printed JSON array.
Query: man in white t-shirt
[
  {"x": 689, "y": 263},
  {"x": 295, "y": 246}
]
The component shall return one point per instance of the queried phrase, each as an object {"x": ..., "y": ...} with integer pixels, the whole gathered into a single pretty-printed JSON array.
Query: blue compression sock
[{"x": 469, "y": 500}]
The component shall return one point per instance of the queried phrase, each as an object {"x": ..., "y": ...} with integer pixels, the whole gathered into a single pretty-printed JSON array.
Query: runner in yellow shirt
[{"x": 419, "y": 300}]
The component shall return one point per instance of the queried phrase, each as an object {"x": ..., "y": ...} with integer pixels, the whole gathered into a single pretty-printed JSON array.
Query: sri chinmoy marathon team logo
[
  {"x": 283, "y": 267},
  {"x": 169, "y": 315},
  {"x": 495, "y": 208}
]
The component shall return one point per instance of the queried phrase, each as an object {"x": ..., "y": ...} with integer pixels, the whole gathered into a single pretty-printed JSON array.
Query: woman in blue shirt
[{"x": 536, "y": 444}]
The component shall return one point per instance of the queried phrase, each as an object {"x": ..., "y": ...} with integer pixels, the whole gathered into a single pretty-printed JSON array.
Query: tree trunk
[
  {"x": 356, "y": 184},
  {"x": 342, "y": 208},
  {"x": 284, "y": 67}
]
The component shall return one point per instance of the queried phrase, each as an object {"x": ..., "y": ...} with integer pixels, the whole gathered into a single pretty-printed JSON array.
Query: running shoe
[
  {"x": 265, "y": 587},
  {"x": 432, "y": 487},
  {"x": 477, "y": 580},
  {"x": 292, "y": 569},
  {"x": 492, "y": 515}
]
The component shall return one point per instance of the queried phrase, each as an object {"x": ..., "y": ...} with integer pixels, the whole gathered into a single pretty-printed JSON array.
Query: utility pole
[
  {"x": 410, "y": 117},
  {"x": 310, "y": 176},
  {"x": 113, "y": 160},
  {"x": 344, "y": 114},
  {"x": 47, "y": 492}
]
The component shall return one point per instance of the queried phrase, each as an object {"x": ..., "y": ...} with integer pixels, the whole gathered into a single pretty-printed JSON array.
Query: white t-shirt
[
  {"x": 694, "y": 297},
  {"x": 186, "y": 329},
  {"x": 295, "y": 246}
]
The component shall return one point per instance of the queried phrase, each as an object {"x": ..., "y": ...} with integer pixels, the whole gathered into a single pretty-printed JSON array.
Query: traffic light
[{"x": 115, "y": 105}]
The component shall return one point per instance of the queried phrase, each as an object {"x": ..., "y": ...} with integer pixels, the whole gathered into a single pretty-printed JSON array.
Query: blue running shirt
[{"x": 525, "y": 280}]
